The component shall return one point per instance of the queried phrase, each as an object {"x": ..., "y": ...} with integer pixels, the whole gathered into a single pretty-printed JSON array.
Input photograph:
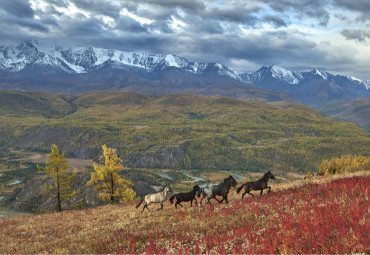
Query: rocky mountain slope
[{"x": 315, "y": 87}]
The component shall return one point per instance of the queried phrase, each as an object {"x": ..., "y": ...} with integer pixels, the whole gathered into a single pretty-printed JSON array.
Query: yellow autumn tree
[
  {"x": 109, "y": 183},
  {"x": 344, "y": 164},
  {"x": 57, "y": 169}
]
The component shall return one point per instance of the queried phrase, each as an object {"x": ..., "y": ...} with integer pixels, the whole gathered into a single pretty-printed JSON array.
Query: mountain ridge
[{"x": 32, "y": 66}]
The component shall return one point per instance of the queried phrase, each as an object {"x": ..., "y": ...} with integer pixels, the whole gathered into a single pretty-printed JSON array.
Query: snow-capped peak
[
  {"x": 321, "y": 73},
  {"x": 367, "y": 84},
  {"x": 354, "y": 79},
  {"x": 86, "y": 59},
  {"x": 286, "y": 75}
]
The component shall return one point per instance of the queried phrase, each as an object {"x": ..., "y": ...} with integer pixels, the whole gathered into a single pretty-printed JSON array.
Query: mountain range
[{"x": 33, "y": 66}]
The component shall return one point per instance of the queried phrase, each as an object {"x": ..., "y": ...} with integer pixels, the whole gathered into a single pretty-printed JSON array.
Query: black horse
[
  {"x": 261, "y": 184},
  {"x": 222, "y": 189},
  {"x": 186, "y": 197}
]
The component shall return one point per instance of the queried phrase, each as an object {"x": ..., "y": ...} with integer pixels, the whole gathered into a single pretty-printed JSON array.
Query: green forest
[{"x": 179, "y": 131}]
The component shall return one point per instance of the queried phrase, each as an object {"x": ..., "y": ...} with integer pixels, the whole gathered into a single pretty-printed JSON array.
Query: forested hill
[{"x": 178, "y": 131}]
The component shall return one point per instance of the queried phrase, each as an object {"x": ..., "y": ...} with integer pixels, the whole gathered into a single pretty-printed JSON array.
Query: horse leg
[
  {"x": 224, "y": 197},
  {"x": 201, "y": 200},
  {"x": 208, "y": 198},
  {"x": 269, "y": 189},
  {"x": 191, "y": 203},
  {"x": 145, "y": 206},
  {"x": 226, "y": 200},
  {"x": 261, "y": 191},
  {"x": 217, "y": 199},
  {"x": 250, "y": 193},
  {"x": 245, "y": 192},
  {"x": 161, "y": 207}
]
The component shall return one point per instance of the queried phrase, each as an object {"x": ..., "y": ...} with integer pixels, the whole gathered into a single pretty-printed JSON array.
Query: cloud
[
  {"x": 356, "y": 34},
  {"x": 17, "y": 8},
  {"x": 361, "y": 7},
  {"x": 316, "y": 9},
  {"x": 275, "y": 20},
  {"x": 296, "y": 34}
]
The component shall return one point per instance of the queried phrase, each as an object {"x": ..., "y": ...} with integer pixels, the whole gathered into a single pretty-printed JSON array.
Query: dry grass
[{"x": 123, "y": 229}]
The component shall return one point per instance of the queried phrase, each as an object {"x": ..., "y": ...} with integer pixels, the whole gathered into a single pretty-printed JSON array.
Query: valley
[
  {"x": 168, "y": 138},
  {"x": 178, "y": 131}
]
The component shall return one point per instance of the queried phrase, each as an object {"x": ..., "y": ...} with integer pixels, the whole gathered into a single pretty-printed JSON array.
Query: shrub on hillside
[{"x": 344, "y": 164}]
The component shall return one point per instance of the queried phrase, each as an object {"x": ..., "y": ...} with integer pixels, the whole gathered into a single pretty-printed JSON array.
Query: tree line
[{"x": 110, "y": 185}]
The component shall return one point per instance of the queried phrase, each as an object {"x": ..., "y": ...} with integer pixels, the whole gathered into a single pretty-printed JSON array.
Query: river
[
  {"x": 165, "y": 176},
  {"x": 236, "y": 176}
]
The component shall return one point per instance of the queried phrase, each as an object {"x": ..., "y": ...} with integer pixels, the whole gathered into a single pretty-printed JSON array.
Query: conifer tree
[
  {"x": 57, "y": 169},
  {"x": 108, "y": 182}
]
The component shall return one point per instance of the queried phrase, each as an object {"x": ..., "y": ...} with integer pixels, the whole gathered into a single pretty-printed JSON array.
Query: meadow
[{"x": 320, "y": 215}]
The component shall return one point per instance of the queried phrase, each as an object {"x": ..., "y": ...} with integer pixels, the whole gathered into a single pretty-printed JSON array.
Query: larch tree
[
  {"x": 57, "y": 169},
  {"x": 109, "y": 183}
]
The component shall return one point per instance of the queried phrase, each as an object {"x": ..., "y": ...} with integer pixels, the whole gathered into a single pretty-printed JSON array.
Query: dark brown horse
[
  {"x": 186, "y": 197},
  {"x": 261, "y": 184}
]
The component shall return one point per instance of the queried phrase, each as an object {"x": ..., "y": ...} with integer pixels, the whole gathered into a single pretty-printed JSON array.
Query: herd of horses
[{"x": 210, "y": 191}]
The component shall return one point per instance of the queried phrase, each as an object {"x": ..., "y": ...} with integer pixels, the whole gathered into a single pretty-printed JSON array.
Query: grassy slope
[
  {"x": 215, "y": 132},
  {"x": 354, "y": 110},
  {"x": 315, "y": 216}
]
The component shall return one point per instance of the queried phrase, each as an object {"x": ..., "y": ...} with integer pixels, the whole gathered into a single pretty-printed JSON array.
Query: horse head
[
  {"x": 232, "y": 181},
  {"x": 199, "y": 191},
  {"x": 270, "y": 175},
  {"x": 167, "y": 189}
]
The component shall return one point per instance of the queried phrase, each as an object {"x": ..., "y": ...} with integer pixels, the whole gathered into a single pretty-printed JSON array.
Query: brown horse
[{"x": 261, "y": 184}]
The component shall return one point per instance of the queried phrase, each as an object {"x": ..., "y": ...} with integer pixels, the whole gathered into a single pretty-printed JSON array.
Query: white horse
[{"x": 159, "y": 197}]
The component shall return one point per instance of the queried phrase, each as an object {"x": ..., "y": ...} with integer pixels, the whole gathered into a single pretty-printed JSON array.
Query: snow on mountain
[
  {"x": 367, "y": 84},
  {"x": 354, "y": 79},
  {"x": 273, "y": 72},
  {"x": 42, "y": 58},
  {"x": 85, "y": 59},
  {"x": 283, "y": 74}
]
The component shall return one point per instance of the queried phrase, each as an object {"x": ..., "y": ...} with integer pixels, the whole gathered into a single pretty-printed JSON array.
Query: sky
[{"x": 332, "y": 35}]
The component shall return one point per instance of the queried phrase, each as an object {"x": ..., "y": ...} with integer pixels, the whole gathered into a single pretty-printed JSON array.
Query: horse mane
[
  {"x": 226, "y": 179},
  {"x": 264, "y": 177}
]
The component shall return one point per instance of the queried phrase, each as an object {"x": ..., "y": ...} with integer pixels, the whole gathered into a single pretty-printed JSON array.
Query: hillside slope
[
  {"x": 330, "y": 216},
  {"x": 354, "y": 110},
  {"x": 179, "y": 131}
]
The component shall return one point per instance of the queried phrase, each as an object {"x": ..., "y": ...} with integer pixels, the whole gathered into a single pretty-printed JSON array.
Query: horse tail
[
  {"x": 171, "y": 198},
  {"x": 240, "y": 188},
  {"x": 140, "y": 202}
]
